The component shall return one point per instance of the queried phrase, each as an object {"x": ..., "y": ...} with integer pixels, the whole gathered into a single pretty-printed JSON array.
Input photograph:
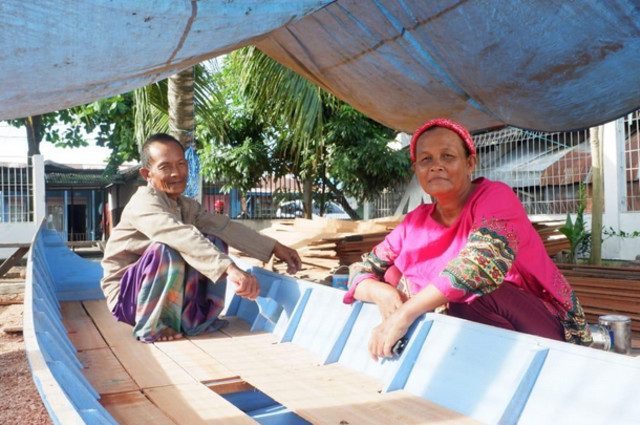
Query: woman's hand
[
  {"x": 394, "y": 327},
  {"x": 388, "y": 299},
  {"x": 289, "y": 256},
  {"x": 386, "y": 334}
]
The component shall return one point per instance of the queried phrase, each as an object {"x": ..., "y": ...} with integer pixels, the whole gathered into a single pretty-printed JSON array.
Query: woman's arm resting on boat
[
  {"x": 387, "y": 298},
  {"x": 394, "y": 327}
]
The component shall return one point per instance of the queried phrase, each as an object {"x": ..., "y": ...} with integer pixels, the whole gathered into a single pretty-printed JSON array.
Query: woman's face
[{"x": 442, "y": 165}]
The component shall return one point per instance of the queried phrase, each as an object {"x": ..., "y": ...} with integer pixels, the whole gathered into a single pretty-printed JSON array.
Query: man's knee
[{"x": 165, "y": 252}]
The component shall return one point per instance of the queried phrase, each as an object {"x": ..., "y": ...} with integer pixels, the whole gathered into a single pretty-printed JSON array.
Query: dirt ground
[{"x": 20, "y": 402}]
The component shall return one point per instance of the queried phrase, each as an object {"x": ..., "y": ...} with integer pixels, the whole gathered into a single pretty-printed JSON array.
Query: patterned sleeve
[
  {"x": 490, "y": 249},
  {"x": 376, "y": 263}
]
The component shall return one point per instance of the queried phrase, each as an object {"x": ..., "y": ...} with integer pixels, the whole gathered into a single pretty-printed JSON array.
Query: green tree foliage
[
  {"x": 359, "y": 156},
  {"x": 312, "y": 135},
  {"x": 237, "y": 150},
  {"x": 152, "y": 107},
  {"x": 111, "y": 118}
]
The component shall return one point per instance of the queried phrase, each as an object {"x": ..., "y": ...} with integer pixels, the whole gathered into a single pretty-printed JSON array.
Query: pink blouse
[{"x": 491, "y": 241}]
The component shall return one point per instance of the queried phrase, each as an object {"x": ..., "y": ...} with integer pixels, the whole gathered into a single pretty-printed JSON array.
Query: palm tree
[
  {"x": 180, "y": 92},
  {"x": 319, "y": 127},
  {"x": 285, "y": 96},
  {"x": 181, "y": 105},
  {"x": 256, "y": 109}
]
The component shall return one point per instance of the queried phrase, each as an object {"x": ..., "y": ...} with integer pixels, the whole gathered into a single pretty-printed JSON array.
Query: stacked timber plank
[
  {"x": 606, "y": 290},
  {"x": 325, "y": 244},
  {"x": 554, "y": 241}
]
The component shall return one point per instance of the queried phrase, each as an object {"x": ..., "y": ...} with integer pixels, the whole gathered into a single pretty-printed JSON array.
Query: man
[{"x": 162, "y": 259}]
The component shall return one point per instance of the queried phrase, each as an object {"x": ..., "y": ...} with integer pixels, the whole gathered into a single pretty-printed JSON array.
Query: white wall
[
  {"x": 615, "y": 192},
  {"x": 623, "y": 248},
  {"x": 24, "y": 232}
]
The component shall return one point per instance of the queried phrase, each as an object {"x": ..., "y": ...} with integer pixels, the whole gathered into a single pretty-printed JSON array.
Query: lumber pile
[
  {"x": 325, "y": 244},
  {"x": 606, "y": 290},
  {"x": 330, "y": 243},
  {"x": 553, "y": 240}
]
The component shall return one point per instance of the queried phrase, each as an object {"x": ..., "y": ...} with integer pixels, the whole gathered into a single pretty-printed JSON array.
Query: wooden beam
[{"x": 13, "y": 260}]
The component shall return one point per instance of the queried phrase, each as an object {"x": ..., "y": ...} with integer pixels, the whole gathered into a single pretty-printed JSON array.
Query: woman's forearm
[
  {"x": 371, "y": 290},
  {"x": 423, "y": 302},
  {"x": 395, "y": 326}
]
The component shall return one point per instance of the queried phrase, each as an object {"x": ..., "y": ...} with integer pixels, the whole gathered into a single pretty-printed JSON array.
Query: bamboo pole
[{"x": 597, "y": 195}]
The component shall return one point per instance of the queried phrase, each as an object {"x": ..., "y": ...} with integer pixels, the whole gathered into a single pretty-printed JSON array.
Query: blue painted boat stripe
[
  {"x": 82, "y": 396},
  {"x": 297, "y": 315},
  {"x": 41, "y": 306},
  {"x": 43, "y": 291},
  {"x": 232, "y": 310},
  {"x": 338, "y": 346},
  {"x": 273, "y": 290},
  {"x": 52, "y": 350},
  {"x": 97, "y": 417},
  {"x": 54, "y": 355},
  {"x": 517, "y": 403},
  {"x": 261, "y": 323},
  {"x": 409, "y": 357},
  {"x": 45, "y": 323}
]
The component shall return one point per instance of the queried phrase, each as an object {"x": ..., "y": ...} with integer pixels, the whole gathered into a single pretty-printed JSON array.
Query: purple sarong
[
  {"x": 510, "y": 307},
  {"x": 162, "y": 291}
]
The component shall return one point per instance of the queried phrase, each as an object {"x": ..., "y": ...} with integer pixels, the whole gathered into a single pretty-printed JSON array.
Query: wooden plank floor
[{"x": 165, "y": 382}]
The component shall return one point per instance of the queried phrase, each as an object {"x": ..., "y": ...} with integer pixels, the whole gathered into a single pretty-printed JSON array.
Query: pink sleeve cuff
[{"x": 348, "y": 296}]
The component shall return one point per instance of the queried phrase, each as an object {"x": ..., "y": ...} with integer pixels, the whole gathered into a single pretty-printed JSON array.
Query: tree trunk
[
  {"x": 597, "y": 195},
  {"x": 307, "y": 198},
  {"x": 34, "y": 134},
  {"x": 181, "y": 106},
  {"x": 343, "y": 201}
]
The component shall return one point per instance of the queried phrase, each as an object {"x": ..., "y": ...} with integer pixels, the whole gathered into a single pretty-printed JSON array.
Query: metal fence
[
  {"x": 385, "y": 204},
  {"x": 632, "y": 160},
  {"x": 16, "y": 193},
  {"x": 261, "y": 202},
  {"x": 544, "y": 169}
]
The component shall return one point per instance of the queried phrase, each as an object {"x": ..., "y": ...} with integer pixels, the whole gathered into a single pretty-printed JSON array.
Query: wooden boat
[{"x": 311, "y": 365}]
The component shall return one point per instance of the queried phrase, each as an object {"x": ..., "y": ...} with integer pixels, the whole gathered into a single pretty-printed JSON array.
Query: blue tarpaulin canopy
[{"x": 545, "y": 64}]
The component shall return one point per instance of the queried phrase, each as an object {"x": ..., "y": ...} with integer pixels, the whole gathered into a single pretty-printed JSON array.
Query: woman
[{"x": 474, "y": 248}]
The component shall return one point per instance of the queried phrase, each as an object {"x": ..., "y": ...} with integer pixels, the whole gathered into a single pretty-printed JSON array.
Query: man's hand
[
  {"x": 288, "y": 255},
  {"x": 246, "y": 284}
]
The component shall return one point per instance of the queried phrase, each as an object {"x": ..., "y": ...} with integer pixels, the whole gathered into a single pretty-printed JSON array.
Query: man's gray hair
[{"x": 145, "y": 156}]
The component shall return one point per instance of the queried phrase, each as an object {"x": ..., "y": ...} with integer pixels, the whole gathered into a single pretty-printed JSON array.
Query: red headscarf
[{"x": 446, "y": 123}]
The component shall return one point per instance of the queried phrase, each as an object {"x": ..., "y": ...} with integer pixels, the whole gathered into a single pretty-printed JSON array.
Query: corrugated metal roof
[
  {"x": 534, "y": 165},
  {"x": 78, "y": 180}
]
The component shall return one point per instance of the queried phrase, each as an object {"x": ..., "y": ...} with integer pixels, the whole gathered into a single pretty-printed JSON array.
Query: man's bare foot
[{"x": 169, "y": 335}]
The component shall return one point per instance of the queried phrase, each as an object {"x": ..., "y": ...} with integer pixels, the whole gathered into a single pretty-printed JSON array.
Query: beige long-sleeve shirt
[{"x": 151, "y": 216}]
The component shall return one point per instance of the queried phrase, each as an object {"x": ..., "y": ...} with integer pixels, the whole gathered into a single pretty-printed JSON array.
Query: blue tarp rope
[{"x": 193, "y": 179}]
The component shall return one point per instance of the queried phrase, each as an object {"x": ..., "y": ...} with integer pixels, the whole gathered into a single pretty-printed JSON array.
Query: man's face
[{"x": 168, "y": 169}]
